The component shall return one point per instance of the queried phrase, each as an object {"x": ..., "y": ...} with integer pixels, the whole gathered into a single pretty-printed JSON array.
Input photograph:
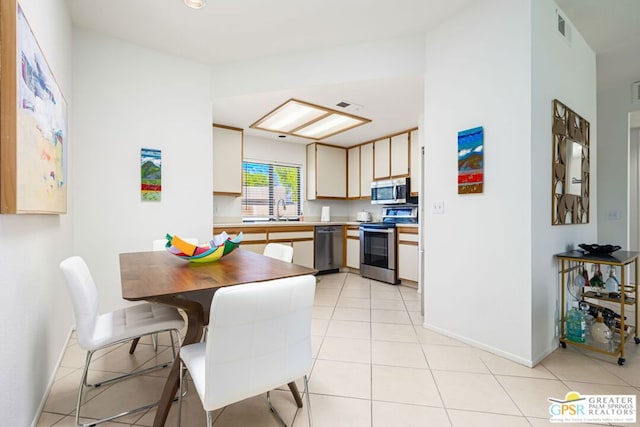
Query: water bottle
[{"x": 576, "y": 325}]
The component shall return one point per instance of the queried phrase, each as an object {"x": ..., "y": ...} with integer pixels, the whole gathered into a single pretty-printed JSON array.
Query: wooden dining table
[{"x": 161, "y": 277}]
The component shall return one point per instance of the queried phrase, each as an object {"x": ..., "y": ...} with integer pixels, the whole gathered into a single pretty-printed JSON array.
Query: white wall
[
  {"x": 34, "y": 310},
  {"x": 365, "y": 61},
  {"x": 634, "y": 189},
  {"x": 478, "y": 253},
  {"x": 565, "y": 71},
  {"x": 500, "y": 244},
  {"x": 129, "y": 97},
  {"x": 616, "y": 71}
]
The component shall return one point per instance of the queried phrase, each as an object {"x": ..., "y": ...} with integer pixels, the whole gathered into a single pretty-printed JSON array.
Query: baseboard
[
  {"x": 52, "y": 379},
  {"x": 482, "y": 346}
]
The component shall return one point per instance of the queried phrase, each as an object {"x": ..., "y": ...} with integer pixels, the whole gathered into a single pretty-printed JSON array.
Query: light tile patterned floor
[{"x": 375, "y": 366}]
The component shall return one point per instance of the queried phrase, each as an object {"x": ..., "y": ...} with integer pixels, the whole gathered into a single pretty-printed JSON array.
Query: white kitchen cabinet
[
  {"x": 400, "y": 155},
  {"x": 227, "y": 160},
  {"x": 382, "y": 158},
  {"x": 326, "y": 172},
  {"x": 300, "y": 237},
  {"x": 353, "y": 247},
  {"x": 414, "y": 141},
  {"x": 366, "y": 169},
  {"x": 408, "y": 253},
  {"x": 353, "y": 172},
  {"x": 303, "y": 253}
]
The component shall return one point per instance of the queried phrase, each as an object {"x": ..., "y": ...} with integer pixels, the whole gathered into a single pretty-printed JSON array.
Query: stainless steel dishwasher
[{"x": 328, "y": 243}]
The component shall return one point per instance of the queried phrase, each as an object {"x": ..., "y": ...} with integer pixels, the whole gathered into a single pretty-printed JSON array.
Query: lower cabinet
[
  {"x": 353, "y": 247},
  {"x": 303, "y": 253},
  {"x": 408, "y": 253},
  {"x": 256, "y": 238}
]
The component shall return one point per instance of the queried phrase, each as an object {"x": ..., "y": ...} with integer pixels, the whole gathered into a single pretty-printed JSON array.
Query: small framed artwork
[
  {"x": 33, "y": 123},
  {"x": 471, "y": 161},
  {"x": 150, "y": 174}
]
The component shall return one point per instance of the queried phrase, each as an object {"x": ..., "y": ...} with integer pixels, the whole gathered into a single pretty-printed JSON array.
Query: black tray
[{"x": 599, "y": 249}]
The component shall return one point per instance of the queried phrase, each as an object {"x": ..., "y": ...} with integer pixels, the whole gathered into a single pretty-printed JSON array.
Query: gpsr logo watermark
[{"x": 605, "y": 408}]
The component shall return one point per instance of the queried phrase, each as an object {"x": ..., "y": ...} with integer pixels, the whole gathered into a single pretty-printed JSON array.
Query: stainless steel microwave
[{"x": 389, "y": 191}]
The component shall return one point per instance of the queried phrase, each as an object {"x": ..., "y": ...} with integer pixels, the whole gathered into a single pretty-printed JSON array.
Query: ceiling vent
[
  {"x": 635, "y": 92},
  {"x": 349, "y": 106},
  {"x": 563, "y": 27}
]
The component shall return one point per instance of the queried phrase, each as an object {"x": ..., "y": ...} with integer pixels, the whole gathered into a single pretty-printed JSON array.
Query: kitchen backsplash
[{"x": 226, "y": 209}]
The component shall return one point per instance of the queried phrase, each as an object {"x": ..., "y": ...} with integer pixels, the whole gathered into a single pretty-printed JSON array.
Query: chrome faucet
[{"x": 284, "y": 208}]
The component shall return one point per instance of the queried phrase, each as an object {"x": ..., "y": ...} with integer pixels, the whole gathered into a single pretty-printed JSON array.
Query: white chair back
[
  {"x": 259, "y": 338},
  {"x": 279, "y": 251},
  {"x": 84, "y": 297}
]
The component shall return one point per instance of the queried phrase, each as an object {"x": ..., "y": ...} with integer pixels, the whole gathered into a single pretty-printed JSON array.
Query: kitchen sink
[{"x": 266, "y": 221}]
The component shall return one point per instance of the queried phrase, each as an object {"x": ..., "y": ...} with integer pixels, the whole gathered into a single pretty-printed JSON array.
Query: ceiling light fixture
[
  {"x": 195, "y": 4},
  {"x": 307, "y": 120}
]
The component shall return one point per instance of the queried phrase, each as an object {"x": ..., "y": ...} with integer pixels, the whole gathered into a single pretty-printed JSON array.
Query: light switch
[{"x": 438, "y": 207}]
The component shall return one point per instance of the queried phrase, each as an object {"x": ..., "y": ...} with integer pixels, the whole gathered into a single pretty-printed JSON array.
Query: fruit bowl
[{"x": 211, "y": 251}]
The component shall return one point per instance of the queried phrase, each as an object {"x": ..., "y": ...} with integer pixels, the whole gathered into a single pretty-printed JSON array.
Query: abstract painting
[
  {"x": 470, "y": 161},
  {"x": 34, "y": 125},
  {"x": 150, "y": 174}
]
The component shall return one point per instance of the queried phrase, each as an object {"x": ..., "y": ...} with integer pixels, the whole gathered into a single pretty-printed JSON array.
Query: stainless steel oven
[
  {"x": 378, "y": 252},
  {"x": 378, "y": 242}
]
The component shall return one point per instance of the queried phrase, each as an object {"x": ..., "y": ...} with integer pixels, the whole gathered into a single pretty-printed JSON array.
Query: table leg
[
  {"x": 195, "y": 322},
  {"x": 296, "y": 394}
]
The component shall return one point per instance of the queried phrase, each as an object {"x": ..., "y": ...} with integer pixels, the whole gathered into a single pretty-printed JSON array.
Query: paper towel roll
[{"x": 325, "y": 216}]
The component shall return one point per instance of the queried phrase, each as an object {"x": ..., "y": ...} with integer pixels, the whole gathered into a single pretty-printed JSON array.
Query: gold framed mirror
[{"x": 570, "y": 167}]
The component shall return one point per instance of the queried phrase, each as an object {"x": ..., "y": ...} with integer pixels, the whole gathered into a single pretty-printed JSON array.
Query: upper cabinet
[
  {"x": 353, "y": 172},
  {"x": 400, "y": 155},
  {"x": 326, "y": 172},
  {"x": 366, "y": 169},
  {"x": 392, "y": 157},
  {"x": 227, "y": 160},
  {"x": 414, "y": 141},
  {"x": 382, "y": 158}
]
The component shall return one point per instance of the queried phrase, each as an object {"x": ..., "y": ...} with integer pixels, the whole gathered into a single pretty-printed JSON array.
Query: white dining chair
[
  {"x": 279, "y": 251},
  {"x": 98, "y": 331},
  {"x": 259, "y": 338}
]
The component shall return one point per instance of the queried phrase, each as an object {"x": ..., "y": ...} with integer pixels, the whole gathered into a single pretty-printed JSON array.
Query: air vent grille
[
  {"x": 635, "y": 92},
  {"x": 564, "y": 27}
]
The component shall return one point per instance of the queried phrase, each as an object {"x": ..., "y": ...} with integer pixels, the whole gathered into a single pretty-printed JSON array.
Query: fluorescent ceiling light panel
[
  {"x": 329, "y": 126},
  {"x": 300, "y": 118},
  {"x": 290, "y": 116}
]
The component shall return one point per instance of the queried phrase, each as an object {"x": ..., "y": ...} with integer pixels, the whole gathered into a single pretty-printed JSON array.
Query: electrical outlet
[{"x": 438, "y": 207}]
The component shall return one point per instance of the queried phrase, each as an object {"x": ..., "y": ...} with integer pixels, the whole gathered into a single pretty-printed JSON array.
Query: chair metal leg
[
  {"x": 277, "y": 415},
  {"x": 180, "y": 393},
  {"x": 140, "y": 371},
  {"x": 306, "y": 392},
  {"x": 83, "y": 384},
  {"x": 275, "y": 412}
]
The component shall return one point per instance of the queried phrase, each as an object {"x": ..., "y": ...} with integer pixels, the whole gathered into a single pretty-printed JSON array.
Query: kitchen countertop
[{"x": 221, "y": 226}]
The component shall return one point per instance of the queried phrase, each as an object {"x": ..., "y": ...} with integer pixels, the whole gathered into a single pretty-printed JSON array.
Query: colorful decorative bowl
[{"x": 215, "y": 249}]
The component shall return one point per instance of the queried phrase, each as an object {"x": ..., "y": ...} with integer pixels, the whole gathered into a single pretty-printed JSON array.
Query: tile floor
[{"x": 375, "y": 366}]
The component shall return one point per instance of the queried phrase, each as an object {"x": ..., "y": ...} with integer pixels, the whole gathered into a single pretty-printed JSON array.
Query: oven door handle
[{"x": 378, "y": 230}]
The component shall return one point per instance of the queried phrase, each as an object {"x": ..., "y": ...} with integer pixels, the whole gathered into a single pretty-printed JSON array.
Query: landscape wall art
[
  {"x": 471, "y": 161},
  {"x": 150, "y": 174}
]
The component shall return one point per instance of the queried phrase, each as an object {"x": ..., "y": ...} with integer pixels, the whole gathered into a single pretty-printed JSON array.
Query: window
[{"x": 264, "y": 185}]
